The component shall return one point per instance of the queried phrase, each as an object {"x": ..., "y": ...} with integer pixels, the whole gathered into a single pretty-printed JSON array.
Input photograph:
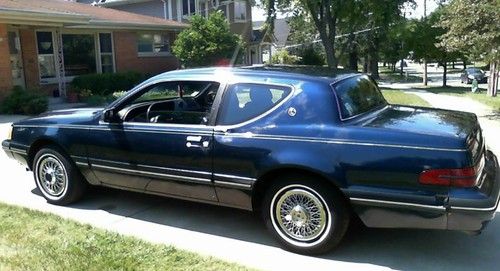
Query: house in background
[
  {"x": 237, "y": 12},
  {"x": 265, "y": 44},
  {"x": 46, "y": 43}
]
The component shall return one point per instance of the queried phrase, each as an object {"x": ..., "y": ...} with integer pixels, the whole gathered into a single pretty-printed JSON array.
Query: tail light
[{"x": 462, "y": 177}]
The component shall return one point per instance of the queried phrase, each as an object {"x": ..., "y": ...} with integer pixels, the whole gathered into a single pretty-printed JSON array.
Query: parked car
[
  {"x": 470, "y": 74},
  {"x": 307, "y": 152}
]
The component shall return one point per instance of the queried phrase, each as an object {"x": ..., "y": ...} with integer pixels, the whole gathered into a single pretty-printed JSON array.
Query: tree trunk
[
  {"x": 365, "y": 64},
  {"x": 401, "y": 67},
  {"x": 445, "y": 69},
  {"x": 453, "y": 64},
  {"x": 465, "y": 63},
  {"x": 493, "y": 79},
  {"x": 353, "y": 60},
  {"x": 425, "y": 73},
  {"x": 373, "y": 65}
]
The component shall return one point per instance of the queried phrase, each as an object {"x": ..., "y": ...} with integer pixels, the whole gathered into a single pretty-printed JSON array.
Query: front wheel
[
  {"x": 306, "y": 216},
  {"x": 57, "y": 177}
]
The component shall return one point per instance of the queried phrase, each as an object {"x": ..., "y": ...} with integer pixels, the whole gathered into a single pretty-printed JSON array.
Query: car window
[
  {"x": 357, "y": 95},
  {"x": 186, "y": 102},
  {"x": 243, "y": 102}
]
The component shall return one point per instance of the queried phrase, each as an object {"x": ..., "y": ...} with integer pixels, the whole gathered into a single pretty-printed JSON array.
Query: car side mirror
[{"x": 109, "y": 115}]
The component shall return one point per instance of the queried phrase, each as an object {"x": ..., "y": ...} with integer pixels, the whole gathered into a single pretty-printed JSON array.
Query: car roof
[{"x": 295, "y": 73}]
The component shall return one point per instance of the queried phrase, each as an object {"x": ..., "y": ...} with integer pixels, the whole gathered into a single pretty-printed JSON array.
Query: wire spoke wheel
[{"x": 300, "y": 214}]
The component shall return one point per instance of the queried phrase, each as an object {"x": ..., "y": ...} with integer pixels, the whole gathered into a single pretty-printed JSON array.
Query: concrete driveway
[{"x": 240, "y": 236}]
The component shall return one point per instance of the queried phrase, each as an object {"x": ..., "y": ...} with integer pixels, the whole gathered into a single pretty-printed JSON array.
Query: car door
[{"x": 164, "y": 149}]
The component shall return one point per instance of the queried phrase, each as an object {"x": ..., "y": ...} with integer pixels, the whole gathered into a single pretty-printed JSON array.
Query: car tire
[
  {"x": 289, "y": 205},
  {"x": 57, "y": 177}
]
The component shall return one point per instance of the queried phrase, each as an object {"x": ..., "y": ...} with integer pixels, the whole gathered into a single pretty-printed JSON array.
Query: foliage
[
  {"x": 311, "y": 56},
  {"x": 22, "y": 101},
  {"x": 206, "y": 42},
  {"x": 106, "y": 83},
  {"x": 32, "y": 240},
  {"x": 283, "y": 57},
  {"x": 472, "y": 26}
]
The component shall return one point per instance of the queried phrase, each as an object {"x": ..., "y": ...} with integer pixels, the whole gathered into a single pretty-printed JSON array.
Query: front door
[
  {"x": 163, "y": 144},
  {"x": 16, "y": 60}
]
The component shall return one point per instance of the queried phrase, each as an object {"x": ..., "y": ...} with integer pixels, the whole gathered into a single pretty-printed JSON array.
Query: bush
[
  {"x": 309, "y": 56},
  {"x": 283, "y": 57},
  {"x": 21, "y": 101},
  {"x": 106, "y": 83}
]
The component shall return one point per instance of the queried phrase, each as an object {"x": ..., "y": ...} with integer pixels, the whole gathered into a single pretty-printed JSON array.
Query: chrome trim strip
[
  {"x": 82, "y": 164},
  {"x": 334, "y": 141},
  {"x": 234, "y": 177},
  {"x": 153, "y": 167},
  {"x": 399, "y": 204},
  {"x": 19, "y": 151},
  {"x": 474, "y": 209},
  {"x": 170, "y": 176},
  {"x": 237, "y": 185}
]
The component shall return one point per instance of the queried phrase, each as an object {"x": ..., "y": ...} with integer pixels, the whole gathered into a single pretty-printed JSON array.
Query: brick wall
[
  {"x": 5, "y": 69},
  {"x": 30, "y": 57},
  {"x": 127, "y": 59}
]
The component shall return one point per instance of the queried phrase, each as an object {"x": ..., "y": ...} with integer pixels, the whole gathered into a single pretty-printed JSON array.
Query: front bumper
[{"x": 19, "y": 153}]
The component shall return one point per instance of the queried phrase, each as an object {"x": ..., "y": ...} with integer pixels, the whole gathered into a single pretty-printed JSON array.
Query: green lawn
[
  {"x": 493, "y": 102},
  {"x": 32, "y": 240},
  {"x": 400, "y": 97}
]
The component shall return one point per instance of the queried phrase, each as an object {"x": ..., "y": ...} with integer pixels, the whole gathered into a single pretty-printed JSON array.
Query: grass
[
  {"x": 481, "y": 97},
  {"x": 400, "y": 97},
  {"x": 390, "y": 76},
  {"x": 32, "y": 240}
]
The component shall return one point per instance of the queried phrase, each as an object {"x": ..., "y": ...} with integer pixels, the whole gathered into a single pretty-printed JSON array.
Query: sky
[{"x": 259, "y": 14}]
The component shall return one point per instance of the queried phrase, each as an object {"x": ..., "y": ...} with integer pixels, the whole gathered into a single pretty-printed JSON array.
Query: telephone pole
[{"x": 425, "y": 60}]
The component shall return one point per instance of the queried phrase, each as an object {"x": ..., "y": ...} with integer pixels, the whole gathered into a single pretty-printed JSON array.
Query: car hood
[{"x": 67, "y": 116}]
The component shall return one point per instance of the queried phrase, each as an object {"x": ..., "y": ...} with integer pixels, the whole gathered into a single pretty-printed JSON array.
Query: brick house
[
  {"x": 46, "y": 43},
  {"x": 237, "y": 12}
]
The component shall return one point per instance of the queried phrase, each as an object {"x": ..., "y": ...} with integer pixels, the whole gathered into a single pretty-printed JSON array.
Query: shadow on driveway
[{"x": 393, "y": 248}]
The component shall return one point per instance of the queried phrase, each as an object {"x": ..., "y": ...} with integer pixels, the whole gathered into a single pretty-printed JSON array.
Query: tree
[
  {"x": 424, "y": 41},
  {"x": 473, "y": 27},
  {"x": 206, "y": 42}
]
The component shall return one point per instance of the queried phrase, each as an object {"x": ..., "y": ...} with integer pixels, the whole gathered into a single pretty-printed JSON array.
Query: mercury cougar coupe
[{"x": 308, "y": 152}]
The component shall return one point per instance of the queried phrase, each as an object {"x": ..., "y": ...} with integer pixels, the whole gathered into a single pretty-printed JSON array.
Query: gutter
[{"x": 36, "y": 16}]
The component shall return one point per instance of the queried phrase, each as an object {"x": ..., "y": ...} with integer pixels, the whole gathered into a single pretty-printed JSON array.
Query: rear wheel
[
  {"x": 57, "y": 177},
  {"x": 304, "y": 215}
]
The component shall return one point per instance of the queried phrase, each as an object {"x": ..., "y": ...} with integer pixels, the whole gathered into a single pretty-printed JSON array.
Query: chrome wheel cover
[
  {"x": 301, "y": 214},
  {"x": 51, "y": 176}
]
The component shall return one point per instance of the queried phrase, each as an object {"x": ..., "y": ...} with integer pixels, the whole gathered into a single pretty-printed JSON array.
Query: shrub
[
  {"x": 21, "y": 101},
  {"x": 310, "y": 56},
  {"x": 283, "y": 57},
  {"x": 106, "y": 83}
]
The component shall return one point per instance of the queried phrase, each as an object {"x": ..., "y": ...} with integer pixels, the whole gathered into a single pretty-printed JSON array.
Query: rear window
[{"x": 357, "y": 95}]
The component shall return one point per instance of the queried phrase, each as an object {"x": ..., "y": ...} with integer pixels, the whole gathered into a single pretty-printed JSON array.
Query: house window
[
  {"x": 106, "y": 53},
  {"x": 203, "y": 7},
  {"x": 79, "y": 54},
  {"x": 240, "y": 10},
  {"x": 188, "y": 8},
  {"x": 149, "y": 44},
  {"x": 224, "y": 7},
  {"x": 46, "y": 56}
]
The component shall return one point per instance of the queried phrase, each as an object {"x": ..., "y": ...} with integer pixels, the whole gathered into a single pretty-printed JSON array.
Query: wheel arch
[
  {"x": 37, "y": 145},
  {"x": 265, "y": 180}
]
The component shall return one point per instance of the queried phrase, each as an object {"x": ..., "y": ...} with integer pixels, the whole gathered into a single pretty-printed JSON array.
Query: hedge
[{"x": 107, "y": 83}]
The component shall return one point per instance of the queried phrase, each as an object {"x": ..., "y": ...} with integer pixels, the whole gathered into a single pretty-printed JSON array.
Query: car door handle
[
  {"x": 193, "y": 138},
  {"x": 204, "y": 144}
]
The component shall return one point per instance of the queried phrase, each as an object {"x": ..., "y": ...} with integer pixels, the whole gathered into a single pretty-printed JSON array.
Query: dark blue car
[{"x": 309, "y": 153}]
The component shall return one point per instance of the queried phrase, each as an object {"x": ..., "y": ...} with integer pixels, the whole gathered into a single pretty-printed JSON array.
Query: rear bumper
[
  {"x": 472, "y": 209},
  {"x": 464, "y": 209}
]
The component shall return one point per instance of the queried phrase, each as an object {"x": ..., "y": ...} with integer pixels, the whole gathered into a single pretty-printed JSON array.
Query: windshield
[
  {"x": 474, "y": 71},
  {"x": 357, "y": 95}
]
